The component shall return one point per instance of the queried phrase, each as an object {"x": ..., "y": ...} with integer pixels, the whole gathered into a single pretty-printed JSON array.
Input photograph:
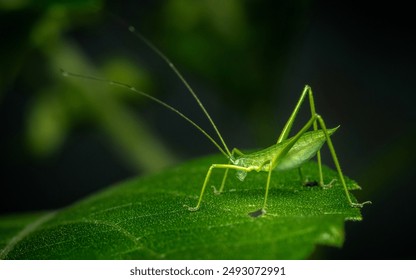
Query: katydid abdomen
[{"x": 303, "y": 150}]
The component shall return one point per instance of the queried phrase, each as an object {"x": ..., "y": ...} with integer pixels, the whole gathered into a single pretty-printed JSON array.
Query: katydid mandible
[{"x": 287, "y": 153}]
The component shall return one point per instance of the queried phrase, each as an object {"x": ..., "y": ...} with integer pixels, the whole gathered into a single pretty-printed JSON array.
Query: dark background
[{"x": 63, "y": 139}]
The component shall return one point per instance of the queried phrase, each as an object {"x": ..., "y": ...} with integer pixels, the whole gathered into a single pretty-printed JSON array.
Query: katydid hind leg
[
  {"x": 337, "y": 165},
  {"x": 313, "y": 122},
  {"x": 307, "y": 91},
  {"x": 274, "y": 161}
]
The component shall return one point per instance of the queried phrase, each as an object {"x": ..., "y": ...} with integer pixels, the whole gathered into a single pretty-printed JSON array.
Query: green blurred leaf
[
  {"x": 69, "y": 103},
  {"x": 144, "y": 218},
  {"x": 47, "y": 124}
]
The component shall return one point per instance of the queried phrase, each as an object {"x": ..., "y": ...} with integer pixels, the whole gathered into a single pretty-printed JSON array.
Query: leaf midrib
[{"x": 25, "y": 232}]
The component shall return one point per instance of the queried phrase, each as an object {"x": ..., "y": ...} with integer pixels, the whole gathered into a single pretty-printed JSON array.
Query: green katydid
[{"x": 286, "y": 153}]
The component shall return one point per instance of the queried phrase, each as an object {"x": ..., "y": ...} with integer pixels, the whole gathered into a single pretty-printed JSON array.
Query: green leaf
[{"x": 145, "y": 218}]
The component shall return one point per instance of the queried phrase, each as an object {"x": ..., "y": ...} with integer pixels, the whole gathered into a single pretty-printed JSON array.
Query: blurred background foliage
[{"x": 65, "y": 138}]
